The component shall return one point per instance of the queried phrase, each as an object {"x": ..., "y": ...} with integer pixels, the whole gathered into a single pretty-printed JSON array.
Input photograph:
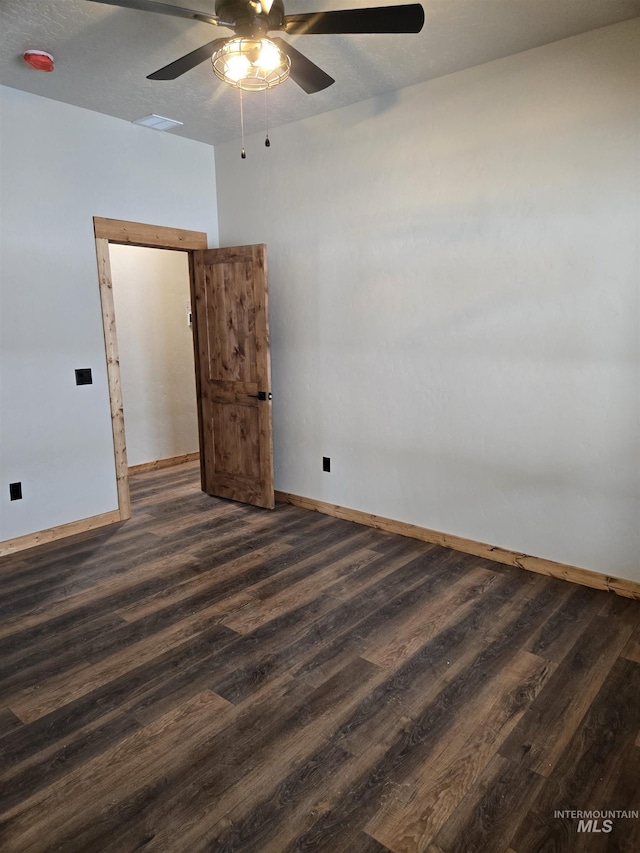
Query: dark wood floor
[{"x": 209, "y": 676}]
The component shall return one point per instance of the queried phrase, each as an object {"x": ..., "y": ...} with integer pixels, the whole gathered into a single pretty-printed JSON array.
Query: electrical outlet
[
  {"x": 83, "y": 376},
  {"x": 15, "y": 491},
  {"x": 326, "y": 463}
]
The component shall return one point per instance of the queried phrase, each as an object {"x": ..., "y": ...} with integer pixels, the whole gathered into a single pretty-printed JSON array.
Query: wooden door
[{"x": 233, "y": 375}]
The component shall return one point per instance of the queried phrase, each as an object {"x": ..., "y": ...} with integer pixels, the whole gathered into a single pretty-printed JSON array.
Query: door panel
[
  {"x": 231, "y": 337},
  {"x": 233, "y": 425}
]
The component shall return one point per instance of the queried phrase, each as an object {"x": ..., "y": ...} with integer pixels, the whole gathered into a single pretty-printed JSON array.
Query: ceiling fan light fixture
[{"x": 252, "y": 64}]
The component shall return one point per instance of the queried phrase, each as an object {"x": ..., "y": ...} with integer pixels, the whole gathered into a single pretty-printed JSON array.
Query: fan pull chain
[
  {"x": 267, "y": 141},
  {"x": 243, "y": 153}
]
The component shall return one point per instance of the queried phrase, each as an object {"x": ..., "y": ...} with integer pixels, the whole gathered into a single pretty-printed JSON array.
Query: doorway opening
[
  {"x": 114, "y": 231},
  {"x": 155, "y": 341}
]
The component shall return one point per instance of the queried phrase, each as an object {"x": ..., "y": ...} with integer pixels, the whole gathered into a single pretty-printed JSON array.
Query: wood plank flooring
[{"x": 214, "y": 677}]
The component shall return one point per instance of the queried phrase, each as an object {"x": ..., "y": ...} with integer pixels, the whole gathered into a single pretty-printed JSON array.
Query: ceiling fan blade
[
  {"x": 384, "y": 19},
  {"x": 304, "y": 72},
  {"x": 187, "y": 62},
  {"x": 163, "y": 9}
]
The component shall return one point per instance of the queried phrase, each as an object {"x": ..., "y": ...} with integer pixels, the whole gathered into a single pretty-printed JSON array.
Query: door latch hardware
[{"x": 262, "y": 395}]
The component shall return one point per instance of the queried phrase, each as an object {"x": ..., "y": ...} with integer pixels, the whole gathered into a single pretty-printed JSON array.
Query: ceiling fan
[{"x": 251, "y": 61}]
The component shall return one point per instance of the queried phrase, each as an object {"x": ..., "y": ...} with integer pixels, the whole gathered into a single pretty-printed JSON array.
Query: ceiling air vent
[{"x": 158, "y": 122}]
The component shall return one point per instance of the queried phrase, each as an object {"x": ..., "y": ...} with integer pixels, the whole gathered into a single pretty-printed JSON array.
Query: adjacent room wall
[
  {"x": 454, "y": 274},
  {"x": 59, "y": 167},
  {"x": 155, "y": 345}
]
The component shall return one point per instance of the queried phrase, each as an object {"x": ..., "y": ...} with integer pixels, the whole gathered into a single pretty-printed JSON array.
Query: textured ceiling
[{"x": 103, "y": 55}]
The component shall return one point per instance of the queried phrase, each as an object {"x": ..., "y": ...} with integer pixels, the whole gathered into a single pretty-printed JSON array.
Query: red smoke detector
[{"x": 38, "y": 59}]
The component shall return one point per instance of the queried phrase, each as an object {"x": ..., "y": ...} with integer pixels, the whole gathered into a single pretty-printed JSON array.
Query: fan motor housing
[{"x": 248, "y": 23}]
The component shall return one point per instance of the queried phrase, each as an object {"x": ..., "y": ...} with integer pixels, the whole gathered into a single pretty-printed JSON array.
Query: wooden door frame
[{"x": 130, "y": 234}]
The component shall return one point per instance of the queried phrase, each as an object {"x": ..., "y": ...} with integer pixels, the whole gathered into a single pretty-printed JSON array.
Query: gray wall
[
  {"x": 59, "y": 167},
  {"x": 454, "y": 300}
]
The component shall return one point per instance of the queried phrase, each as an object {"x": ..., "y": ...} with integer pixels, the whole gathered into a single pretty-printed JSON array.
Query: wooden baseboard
[
  {"x": 31, "y": 540},
  {"x": 621, "y": 586},
  {"x": 157, "y": 464}
]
